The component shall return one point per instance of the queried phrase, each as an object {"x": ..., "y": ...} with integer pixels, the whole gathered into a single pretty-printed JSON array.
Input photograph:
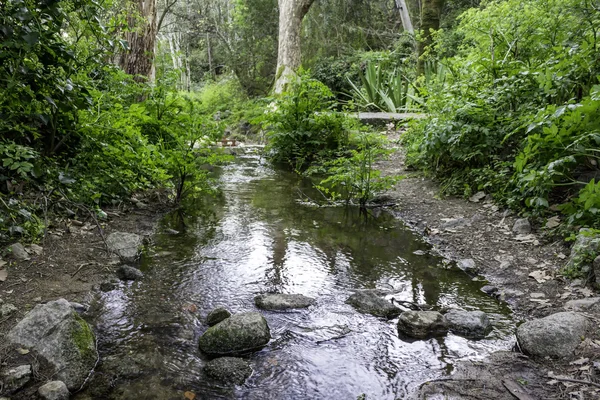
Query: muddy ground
[{"x": 74, "y": 261}]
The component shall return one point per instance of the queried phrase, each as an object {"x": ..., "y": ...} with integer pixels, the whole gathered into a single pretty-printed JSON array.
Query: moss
[{"x": 83, "y": 337}]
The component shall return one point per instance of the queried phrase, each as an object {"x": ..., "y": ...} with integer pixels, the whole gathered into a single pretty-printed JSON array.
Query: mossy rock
[{"x": 238, "y": 334}]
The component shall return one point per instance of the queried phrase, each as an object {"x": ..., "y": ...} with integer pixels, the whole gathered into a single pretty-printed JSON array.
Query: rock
[
  {"x": 276, "y": 301},
  {"x": 228, "y": 370},
  {"x": 125, "y": 245},
  {"x": 35, "y": 249},
  {"x": 468, "y": 265},
  {"x": 238, "y": 334},
  {"x": 370, "y": 302},
  {"x": 470, "y": 324},
  {"x": 217, "y": 315},
  {"x": 80, "y": 308},
  {"x": 7, "y": 309},
  {"x": 18, "y": 251},
  {"x": 537, "y": 295},
  {"x": 477, "y": 197},
  {"x": 14, "y": 379},
  {"x": 556, "y": 335},
  {"x": 588, "y": 304},
  {"x": 55, "y": 390},
  {"x": 170, "y": 231},
  {"x": 56, "y": 333},
  {"x": 455, "y": 223},
  {"x": 585, "y": 249},
  {"x": 141, "y": 205},
  {"x": 127, "y": 273},
  {"x": 522, "y": 226},
  {"x": 422, "y": 324},
  {"x": 489, "y": 289}
]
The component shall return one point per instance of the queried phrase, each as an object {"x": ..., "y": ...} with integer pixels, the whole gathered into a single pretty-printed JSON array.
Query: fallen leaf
[
  {"x": 477, "y": 197},
  {"x": 2, "y": 263},
  {"x": 419, "y": 253},
  {"x": 587, "y": 292},
  {"x": 191, "y": 308},
  {"x": 553, "y": 222},
  {"x": 189, "y": 395},
  {"x": 23, "y": 351},
  {"x": 561, "y": 256},
  {"x": 581, "y": 361},
  {"x": 3, "y": 275},
  {"x": 540, "y": 276}
]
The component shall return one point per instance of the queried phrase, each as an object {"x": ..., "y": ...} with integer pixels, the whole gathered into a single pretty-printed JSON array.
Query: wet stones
[
  {"x": 55, "y": 390},
  {"x": 280, "y": 302},
  {"x": 56, "y": 333},
  {"x": 470, "y": 324},
  {"x": 422, "y": 324},
  {"x": 14, "y": 379},
  {"x": 239, "y": 334},
  {"x": 125, "y": 245},
  {"x": 585, "y": 249},
  {"x": 228, "y": 370},
  {"x": 217, "y": 315},
  {"x": 370, "y": 302},
  {"x": 556, "y": 335}
]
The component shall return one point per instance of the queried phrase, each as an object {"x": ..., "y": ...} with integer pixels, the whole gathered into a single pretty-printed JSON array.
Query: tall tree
[
  {"x": 431, "y": 11},
  {"x": 141, "y": 37},
  {"x": 405, "y": 16},
  {"x": 291, "y": 13}
]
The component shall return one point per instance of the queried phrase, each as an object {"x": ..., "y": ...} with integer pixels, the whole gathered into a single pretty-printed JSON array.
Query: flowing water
[{"x": 255, "y": 237}]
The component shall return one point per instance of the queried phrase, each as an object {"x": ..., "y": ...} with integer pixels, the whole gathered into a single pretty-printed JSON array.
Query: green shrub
[{"x": 302, "y": 126}]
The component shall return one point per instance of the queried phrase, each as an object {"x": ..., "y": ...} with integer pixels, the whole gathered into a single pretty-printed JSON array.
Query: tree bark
[
  {"x": 431, "y": 11},
  {"x": 138, "y": 60},
  {"x": 405, "y": 16},
  {"x": 291, "y": 13}
]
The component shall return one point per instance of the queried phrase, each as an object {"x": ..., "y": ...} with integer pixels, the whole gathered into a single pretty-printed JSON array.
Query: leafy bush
[
  {"x": 518, "y": 63},
  {"x": 353, "y": 176},
  {"x": 302, "y": 125}
]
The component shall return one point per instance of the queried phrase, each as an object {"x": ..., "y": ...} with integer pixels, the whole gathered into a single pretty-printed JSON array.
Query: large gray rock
[
  {"x": 522, "y": 226},
  {"x": 14, "y": 379},
  {"x": 238, "y": 334},
  {"x": 278, "y": 302},
  {"x": 422, "y": 324},
  {"x": 556, "y": 335},
  {"x": 585, "y": 249},
  {"x": 217, "y": 315},
  {"x": 55, "y": 390},
  {"x": 370, "y": 302},
  {"x": 471, "y": 324},
  {"x": 56, "y": 333},
  {"x": 125, "y": 245},
  {"x": 229, "y": 370}
]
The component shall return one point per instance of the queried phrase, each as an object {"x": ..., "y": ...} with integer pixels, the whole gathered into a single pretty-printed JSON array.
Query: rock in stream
[
  {"x": 470, "y": 324},
  {"x": 422, "y": 324},
  {"x": 230, "y": 370},
  {"x": 370, "y": 302},
  {"x": 279, "y": 302},
  {"x": 239, "y": 334}
]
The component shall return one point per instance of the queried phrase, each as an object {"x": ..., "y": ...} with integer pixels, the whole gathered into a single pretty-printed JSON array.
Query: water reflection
[{"x": 256, "y": 237}]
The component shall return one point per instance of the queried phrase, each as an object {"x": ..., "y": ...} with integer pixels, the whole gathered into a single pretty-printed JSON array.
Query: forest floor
[
  {"x": 524, "y": 269},
  {"x": 521, "y": 269}
]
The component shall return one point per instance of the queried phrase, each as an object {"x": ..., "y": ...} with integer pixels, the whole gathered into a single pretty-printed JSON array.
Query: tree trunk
[
  {"x": 405, "y": 16},
  {"x": 141, "y": 37},
  {"x": 431, "y": 11},
  {"x": 291, "y": 13}
]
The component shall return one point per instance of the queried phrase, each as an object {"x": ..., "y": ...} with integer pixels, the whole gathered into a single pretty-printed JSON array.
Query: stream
[{"x": 257, "y": 236}]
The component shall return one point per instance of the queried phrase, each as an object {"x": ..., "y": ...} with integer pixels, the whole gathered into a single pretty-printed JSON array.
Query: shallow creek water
[{"x": 255, "y": 237}]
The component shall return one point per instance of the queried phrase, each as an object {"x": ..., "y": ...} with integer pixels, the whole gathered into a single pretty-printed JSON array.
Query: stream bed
[{"x": 257, "y": 236}]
